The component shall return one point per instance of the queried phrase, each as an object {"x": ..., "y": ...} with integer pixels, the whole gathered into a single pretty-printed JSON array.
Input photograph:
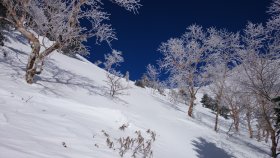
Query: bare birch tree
[{"x": 183, "y": 58}]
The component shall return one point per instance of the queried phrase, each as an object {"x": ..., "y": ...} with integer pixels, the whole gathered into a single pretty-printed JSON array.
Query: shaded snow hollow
[{"x": 63, "y": 113}]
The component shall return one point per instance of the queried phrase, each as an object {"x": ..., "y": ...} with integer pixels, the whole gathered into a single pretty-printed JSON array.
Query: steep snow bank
[{"x": 64, "y": 113}]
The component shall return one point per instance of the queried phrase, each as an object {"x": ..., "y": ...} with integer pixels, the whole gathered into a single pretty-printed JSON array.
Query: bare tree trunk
[
  {"x": 267, "y": 136},
  {"x": 35, "y": 61},
  {"x": 270, "y": 130},
  {"x": 259, "y": 134},
  {"x": 219, "y": 99},
  {"x": 18, "y": 22},
  {"x": 217, "y": 118},
  {"x": 236, "y": 124},
  {"x": 235, "y": 117},
  {"x": 250, "y": 130},
  {"x": 32, "y": 62},
  {"x": 191, "y": 104},
  {"x": 273, "y": 143},
  {"x": 34, "y": 55}
]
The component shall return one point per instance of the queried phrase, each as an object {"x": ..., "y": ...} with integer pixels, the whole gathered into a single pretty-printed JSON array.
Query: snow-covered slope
[{"x": 64, "y": 113}]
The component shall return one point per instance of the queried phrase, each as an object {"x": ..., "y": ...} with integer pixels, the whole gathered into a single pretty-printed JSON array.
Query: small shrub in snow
[
  {"x": 116, "y": 87},
  {"x": 64, "y": 145},
  {"x": 137, "y": 146},
  {"x": 110, "y": 143},
  {"x": 114, "y": 78},
  {"x": 123, "y": 127}
]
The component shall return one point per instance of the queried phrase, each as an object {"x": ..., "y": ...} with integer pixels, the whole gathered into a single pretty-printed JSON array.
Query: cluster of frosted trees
[
  {"x": 68, "y": 23},
  {"x": 241, "y": 70}
]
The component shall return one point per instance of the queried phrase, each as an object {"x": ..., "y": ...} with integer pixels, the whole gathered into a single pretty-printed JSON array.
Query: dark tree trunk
[
  {"x": 219, "y": 99},
  {"x": 217, "y": 118},
  {"x": 35, "y": 61},
  {"x": 31, "y": 67},
  {"x": 236, "y": 120},
  {"x": 236, "y": 125},
  {"x": 191, "y": 105},
  {"x": 250, "y": 130},
  {"x": 273, "y": 143},
  {"x": 34, "y": 55}
]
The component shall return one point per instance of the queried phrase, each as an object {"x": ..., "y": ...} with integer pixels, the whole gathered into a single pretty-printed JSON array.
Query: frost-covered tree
[
  {"x": 153, "y": 77},
  {"x": 114, "y": 77},
  {"x": 152, "y": 74},
  {"x": 248, "y": 104},
  {"x": 232, "y": 100},
  {"x": 113, "y": 60},
  {"x": 261, "y": 65},
  {"x": 273, "y": 27},
  {"x": 183, "y": 59},
  {"x": 224, "y": 47},
  {"x": 68, "y": 23},
  {"x": 241, "y": 102}
]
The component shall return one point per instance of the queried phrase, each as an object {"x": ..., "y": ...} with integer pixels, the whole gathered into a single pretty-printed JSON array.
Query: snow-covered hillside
[{"x": 67, "y": 111}]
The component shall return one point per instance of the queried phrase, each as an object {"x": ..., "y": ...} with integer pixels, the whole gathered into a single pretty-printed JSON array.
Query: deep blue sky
[{"x": 140, "y": 35}]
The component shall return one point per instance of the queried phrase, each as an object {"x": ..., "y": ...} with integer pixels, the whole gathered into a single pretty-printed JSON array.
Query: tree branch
[{"x": 6, "y": 19}]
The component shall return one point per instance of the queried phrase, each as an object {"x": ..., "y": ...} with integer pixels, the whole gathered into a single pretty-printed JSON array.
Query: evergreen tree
[
  {"x": 208, "y": 102},
  {"x": 140, "y": 83},
  {"x": 143, "y": 82},
  {"x": 224, "y": 111},
  {"x": 205, "y": 100}
]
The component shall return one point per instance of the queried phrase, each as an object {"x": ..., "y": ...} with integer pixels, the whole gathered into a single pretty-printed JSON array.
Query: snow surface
[{"x": 69, "y": 105}]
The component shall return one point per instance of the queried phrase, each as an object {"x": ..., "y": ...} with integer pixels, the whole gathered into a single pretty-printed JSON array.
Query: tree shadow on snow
[
  {"x": 238, "y": 140},
  {"x": 15, "y": 37},
  {"x": 59, "y": 76},
  {"x": 207, "y": 149},
  {"x": 169, "y": 105},
  {"x": 51, "y": 73},
  {"x": 16, "y": 50},
  {"x": 12, "y": 62}
]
